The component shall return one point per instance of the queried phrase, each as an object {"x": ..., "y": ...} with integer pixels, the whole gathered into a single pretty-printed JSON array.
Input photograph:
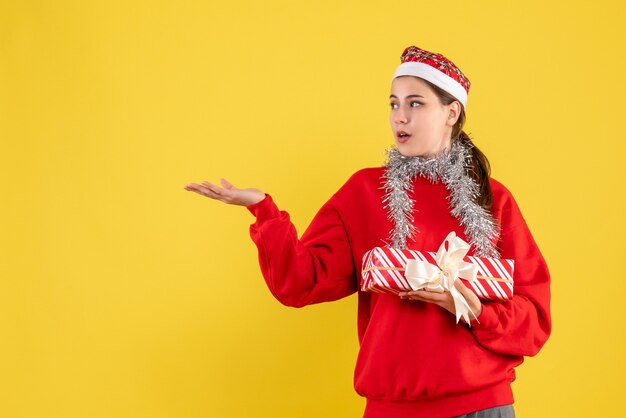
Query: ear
[{"x": 454, "y": 111}]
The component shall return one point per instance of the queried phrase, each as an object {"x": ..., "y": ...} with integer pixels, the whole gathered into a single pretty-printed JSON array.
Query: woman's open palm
[{"x": 228, "y": 194}]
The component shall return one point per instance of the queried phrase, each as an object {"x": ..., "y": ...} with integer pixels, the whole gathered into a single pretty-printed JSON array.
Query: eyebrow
[{"x": 407, "y": 97}]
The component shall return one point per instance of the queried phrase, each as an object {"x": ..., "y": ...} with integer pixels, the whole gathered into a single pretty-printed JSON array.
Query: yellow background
[{"x": 123, "y": 295}]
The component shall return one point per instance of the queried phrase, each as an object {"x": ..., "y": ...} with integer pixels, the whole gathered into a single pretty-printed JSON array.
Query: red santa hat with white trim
[{"x": 435, "y": 68}]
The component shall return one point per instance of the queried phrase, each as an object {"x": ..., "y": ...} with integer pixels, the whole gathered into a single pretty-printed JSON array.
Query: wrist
[{"x": 257, "y": 199}]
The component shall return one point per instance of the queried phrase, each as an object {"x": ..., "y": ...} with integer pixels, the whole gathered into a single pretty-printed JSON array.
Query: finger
[
  {"x": 204, "y": 191},
  {"x": 406, "y": 294},
  {"x": 431, "y": 297},
  {"x": 215, "y": 189},
  {"x": 425, "y": 291},
  {"x": 226, "y": 184},
  {"x": 461, "y": 287},
  {"x": 426, "y": 296},
  {"x": 471, "y": 297},
  {"x": 193, "y": 187}
]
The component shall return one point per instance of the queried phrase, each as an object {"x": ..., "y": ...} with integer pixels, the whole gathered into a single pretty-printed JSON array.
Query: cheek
[{"x": 432, "y": 122}]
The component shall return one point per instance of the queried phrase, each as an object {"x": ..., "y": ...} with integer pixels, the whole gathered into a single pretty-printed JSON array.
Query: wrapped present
[{"x": 393, "y": 270}]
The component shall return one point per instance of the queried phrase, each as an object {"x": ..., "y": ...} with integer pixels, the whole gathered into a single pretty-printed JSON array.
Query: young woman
[{"x": 415, "y": 360}]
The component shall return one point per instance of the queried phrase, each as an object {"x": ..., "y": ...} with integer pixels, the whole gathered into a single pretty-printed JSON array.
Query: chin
[{"x": 407, "y": 151}]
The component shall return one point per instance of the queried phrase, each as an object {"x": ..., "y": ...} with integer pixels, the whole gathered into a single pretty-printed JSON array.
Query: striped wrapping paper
[{"x": 383, "y": 271}]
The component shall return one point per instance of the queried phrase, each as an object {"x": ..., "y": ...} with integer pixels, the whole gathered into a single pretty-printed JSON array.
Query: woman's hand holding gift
[{"x": 444, "y": 299}]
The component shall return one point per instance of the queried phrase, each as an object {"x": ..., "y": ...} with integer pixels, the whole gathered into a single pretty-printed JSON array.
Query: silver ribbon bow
[{"x": 441, "y": 277}]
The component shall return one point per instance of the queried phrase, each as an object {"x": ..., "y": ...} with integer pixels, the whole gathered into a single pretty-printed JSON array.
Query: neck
[
  {"x": 440, "y": 151},
  {"x": 450, "y": 166},
  {"x": 449, "y": 161}
]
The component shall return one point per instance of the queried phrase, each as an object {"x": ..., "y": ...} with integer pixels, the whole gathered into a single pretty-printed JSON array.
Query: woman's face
[{"x": 417, "y": 111}]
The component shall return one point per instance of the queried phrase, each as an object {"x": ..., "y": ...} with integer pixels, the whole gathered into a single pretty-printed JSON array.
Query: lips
[{"x": 402, "y": 136}]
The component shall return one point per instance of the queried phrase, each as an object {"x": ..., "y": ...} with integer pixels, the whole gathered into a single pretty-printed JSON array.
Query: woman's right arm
[{"x": 316, "y": 268}]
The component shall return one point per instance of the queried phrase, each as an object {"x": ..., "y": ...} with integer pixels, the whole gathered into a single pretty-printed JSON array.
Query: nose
[{"x": 400, "y": 115}]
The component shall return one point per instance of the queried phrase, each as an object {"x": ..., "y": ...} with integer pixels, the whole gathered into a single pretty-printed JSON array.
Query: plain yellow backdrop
[{"x": 123, "y": 295}]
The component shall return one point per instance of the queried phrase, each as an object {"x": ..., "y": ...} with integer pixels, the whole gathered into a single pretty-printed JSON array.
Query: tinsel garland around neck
[{"x": 450, "y": 167}]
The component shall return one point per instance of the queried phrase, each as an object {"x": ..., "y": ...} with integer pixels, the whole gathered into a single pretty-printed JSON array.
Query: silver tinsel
[{"x": 450, "y": 166}]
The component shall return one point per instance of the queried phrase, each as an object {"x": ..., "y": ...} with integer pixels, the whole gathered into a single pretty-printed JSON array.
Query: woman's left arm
[{"x": 521, "y": 325}]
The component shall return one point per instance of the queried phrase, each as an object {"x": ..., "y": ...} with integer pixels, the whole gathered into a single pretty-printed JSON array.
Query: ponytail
[{"x": 480, "y": 170}]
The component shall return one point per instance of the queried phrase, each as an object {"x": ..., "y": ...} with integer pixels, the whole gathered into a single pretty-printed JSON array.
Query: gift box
[{"x": 392, "y": 270}]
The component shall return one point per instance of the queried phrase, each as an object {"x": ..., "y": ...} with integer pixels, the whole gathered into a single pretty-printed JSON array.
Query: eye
[
  {"x": 412, "y": 103},
  {"x": 392, "y": 105}
]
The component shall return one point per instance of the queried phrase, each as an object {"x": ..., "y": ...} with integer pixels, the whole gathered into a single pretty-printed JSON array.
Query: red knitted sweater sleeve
[
  {"x": 522, "y": 325},
  {"x": 316, "y": 268}
]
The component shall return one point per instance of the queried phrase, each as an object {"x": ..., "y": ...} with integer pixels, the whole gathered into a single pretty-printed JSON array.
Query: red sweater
[{"x": 414, "y": 359}]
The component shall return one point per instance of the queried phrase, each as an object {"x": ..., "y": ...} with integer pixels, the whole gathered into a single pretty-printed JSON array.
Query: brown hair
[{"x": 480, "y": 170}]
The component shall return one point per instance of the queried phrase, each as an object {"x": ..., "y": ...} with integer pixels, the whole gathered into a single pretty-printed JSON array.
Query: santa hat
[{"x": 435, "y": 68}]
